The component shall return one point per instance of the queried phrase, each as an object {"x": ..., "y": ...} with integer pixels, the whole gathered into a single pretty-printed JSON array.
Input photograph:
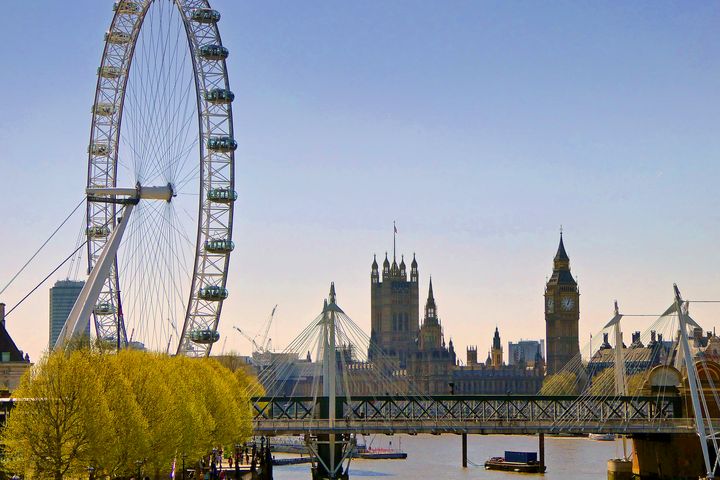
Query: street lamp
[
  {"x": 91, "y": 471},
  {"x": 184, "y": 455},
  {"x": 138, "y": 464}
]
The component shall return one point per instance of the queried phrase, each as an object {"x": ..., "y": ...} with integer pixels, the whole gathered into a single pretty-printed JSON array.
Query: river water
[{"x": 439, "y": 457}]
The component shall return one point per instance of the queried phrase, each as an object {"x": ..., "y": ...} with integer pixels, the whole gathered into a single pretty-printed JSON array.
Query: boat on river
[
  {"x": 521, "y": 462},
  {"x": 382, "y": 454}
]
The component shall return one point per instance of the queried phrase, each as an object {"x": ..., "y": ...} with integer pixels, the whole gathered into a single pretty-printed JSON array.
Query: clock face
[
  {"x": 550, "y": 304},
  {"x": 567, "y": 303}
]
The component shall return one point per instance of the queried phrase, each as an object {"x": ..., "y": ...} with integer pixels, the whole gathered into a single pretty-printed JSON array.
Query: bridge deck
[{"x": 477, "y": 414}]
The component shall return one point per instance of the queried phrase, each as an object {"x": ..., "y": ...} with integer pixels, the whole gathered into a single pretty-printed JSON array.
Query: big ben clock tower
[{"x": 562, "y": 313}]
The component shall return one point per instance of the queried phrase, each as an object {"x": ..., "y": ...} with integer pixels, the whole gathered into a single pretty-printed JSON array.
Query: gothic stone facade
[
  {"x": 562, "y": 313},
  {"x": 394, "y": 309}
]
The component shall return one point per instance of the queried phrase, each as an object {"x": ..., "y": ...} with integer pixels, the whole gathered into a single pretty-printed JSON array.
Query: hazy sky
[{"x": 480, "y": 127}]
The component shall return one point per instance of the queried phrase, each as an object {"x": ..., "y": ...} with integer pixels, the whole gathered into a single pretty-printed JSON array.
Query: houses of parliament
[{"x": 417, "y": 346}]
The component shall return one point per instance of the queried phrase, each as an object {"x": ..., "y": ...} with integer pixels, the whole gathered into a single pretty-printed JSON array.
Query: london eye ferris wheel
[{"x": 162, "y": 149}]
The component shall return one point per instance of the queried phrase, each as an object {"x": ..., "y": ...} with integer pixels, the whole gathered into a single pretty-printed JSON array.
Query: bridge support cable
[
  {"x": 613, "y": 380},
  {"x": 37, "y": 252},
  {"x": 79, "y": 245}
]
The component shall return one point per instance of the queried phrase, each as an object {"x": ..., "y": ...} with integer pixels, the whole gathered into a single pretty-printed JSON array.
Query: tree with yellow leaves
[
  {"x": 61, "y": 419},
  {"x": 561, "y": 383},
  {"x": 89, "y": 408}
]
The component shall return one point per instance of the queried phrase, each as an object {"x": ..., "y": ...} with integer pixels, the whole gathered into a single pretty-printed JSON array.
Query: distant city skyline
[{"x": 478, "y": 127}]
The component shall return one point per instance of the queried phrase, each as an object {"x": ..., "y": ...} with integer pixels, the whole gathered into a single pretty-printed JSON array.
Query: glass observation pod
[
  {"x": 205, "y": 15},
  {"x": 219, "y": 246},
  {"x": 108, "y": 71},
  {"x": 204, "y": 336},
  {"x": 98, "y": 231},
  {"x": 104, "y": 109},
  {"x": 219, "y": 96},
  {"x": 221, "y": 144},
  {"x": 214, "y": 52},
  {"x": 213, "y": 293},
  {"x": 104, "y": 309},
  {"x": 222, "y": 195},
  {"x": 127, "y": 7},
  {"x": 117, "y": 37},
  {"x": 99, "y": 149}
]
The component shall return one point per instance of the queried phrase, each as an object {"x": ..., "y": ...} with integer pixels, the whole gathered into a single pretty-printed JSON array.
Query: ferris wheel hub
[{"x": 140, "y": 192}]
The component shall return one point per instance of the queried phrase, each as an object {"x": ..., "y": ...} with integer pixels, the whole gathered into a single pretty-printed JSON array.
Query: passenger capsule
[
  {"x": 222, "y": 195},
  {"x": 104, "y": 309},
  {"x": 99, "y": 149},
  {"x": 117, "y": 37},
  {"x": 221, "y": 144},
  {"x": 214, "y": 52},
  {"x": 219, "y": 96},
  {"x": 108, "y": 71},
  {"x": 219, "y": 246},
  {"x": 205, "y": 336},
  {"x": 205, "y": 15},
  {"x": 104, "y": 109},
  {"x": 127, "y": 7},
  {"x": 98, "y": 231},
  {"x": 213, "y": 293}
]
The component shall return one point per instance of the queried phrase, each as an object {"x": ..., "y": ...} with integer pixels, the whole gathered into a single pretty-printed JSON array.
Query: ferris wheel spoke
[{"x": 171, "y": 103}]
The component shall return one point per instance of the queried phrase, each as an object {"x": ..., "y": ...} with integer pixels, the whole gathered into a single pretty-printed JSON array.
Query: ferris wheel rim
[{"x": 216, "y": 167}]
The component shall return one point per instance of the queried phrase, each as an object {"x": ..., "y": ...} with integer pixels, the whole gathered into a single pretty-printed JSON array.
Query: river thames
[{"x": 439, "y": 457}]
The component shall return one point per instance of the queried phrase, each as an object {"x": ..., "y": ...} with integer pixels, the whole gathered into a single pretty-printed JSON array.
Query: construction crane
[{"x": 265, "y": 343}]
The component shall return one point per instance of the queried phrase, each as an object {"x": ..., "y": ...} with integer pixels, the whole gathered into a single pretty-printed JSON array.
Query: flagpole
[{"x": 394, "y": 235}]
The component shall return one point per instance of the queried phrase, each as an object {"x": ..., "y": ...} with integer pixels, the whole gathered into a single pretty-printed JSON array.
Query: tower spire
[{"x": 561, "y": 253}]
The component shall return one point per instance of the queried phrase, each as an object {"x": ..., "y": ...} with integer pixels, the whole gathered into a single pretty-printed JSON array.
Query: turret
[
  {"x": 496, "y": 350},
  {"x": 386, "y": 267},
  {"x": 414, "y": 270},
  {"x": 496, "y": 339},
  {"x": 430, "y": 307},
  {"x": 403, "y": 272},
  {"x": 471, "y": 355},
  {"x": 374, "y": 274}
]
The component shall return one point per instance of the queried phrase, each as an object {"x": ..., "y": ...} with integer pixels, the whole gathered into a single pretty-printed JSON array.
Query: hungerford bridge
[{"x": 676, "y": 414}]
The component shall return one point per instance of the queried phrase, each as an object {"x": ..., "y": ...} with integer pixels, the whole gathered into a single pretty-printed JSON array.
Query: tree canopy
[{"x": 88, "y": 408}]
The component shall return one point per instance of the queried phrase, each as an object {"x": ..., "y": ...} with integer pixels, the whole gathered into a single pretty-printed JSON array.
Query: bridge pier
[{"x": 658, "y": 456}]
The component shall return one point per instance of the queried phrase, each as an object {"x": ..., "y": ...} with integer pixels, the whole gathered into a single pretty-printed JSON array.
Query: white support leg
[
  {"x": 694, "y": 387},
  {"x": 80, "y": 313}
]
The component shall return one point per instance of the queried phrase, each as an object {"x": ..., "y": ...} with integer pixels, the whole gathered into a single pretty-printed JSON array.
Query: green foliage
[
  {"x": 604, "y": 383},
  {"x": 561, "y": 383},
  {"x": 81, "y": 408}
]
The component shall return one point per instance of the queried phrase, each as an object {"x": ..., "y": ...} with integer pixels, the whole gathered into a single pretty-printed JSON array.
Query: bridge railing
[{"x": 556, "y": 413}]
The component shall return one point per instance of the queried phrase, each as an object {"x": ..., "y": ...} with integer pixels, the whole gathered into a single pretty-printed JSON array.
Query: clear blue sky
[{"x": 479, "y": 126}]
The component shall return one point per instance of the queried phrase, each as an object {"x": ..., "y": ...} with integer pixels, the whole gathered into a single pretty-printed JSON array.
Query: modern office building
[
  {"x": 525, "y": 352},
  {"x": 62, "y": 299}
]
